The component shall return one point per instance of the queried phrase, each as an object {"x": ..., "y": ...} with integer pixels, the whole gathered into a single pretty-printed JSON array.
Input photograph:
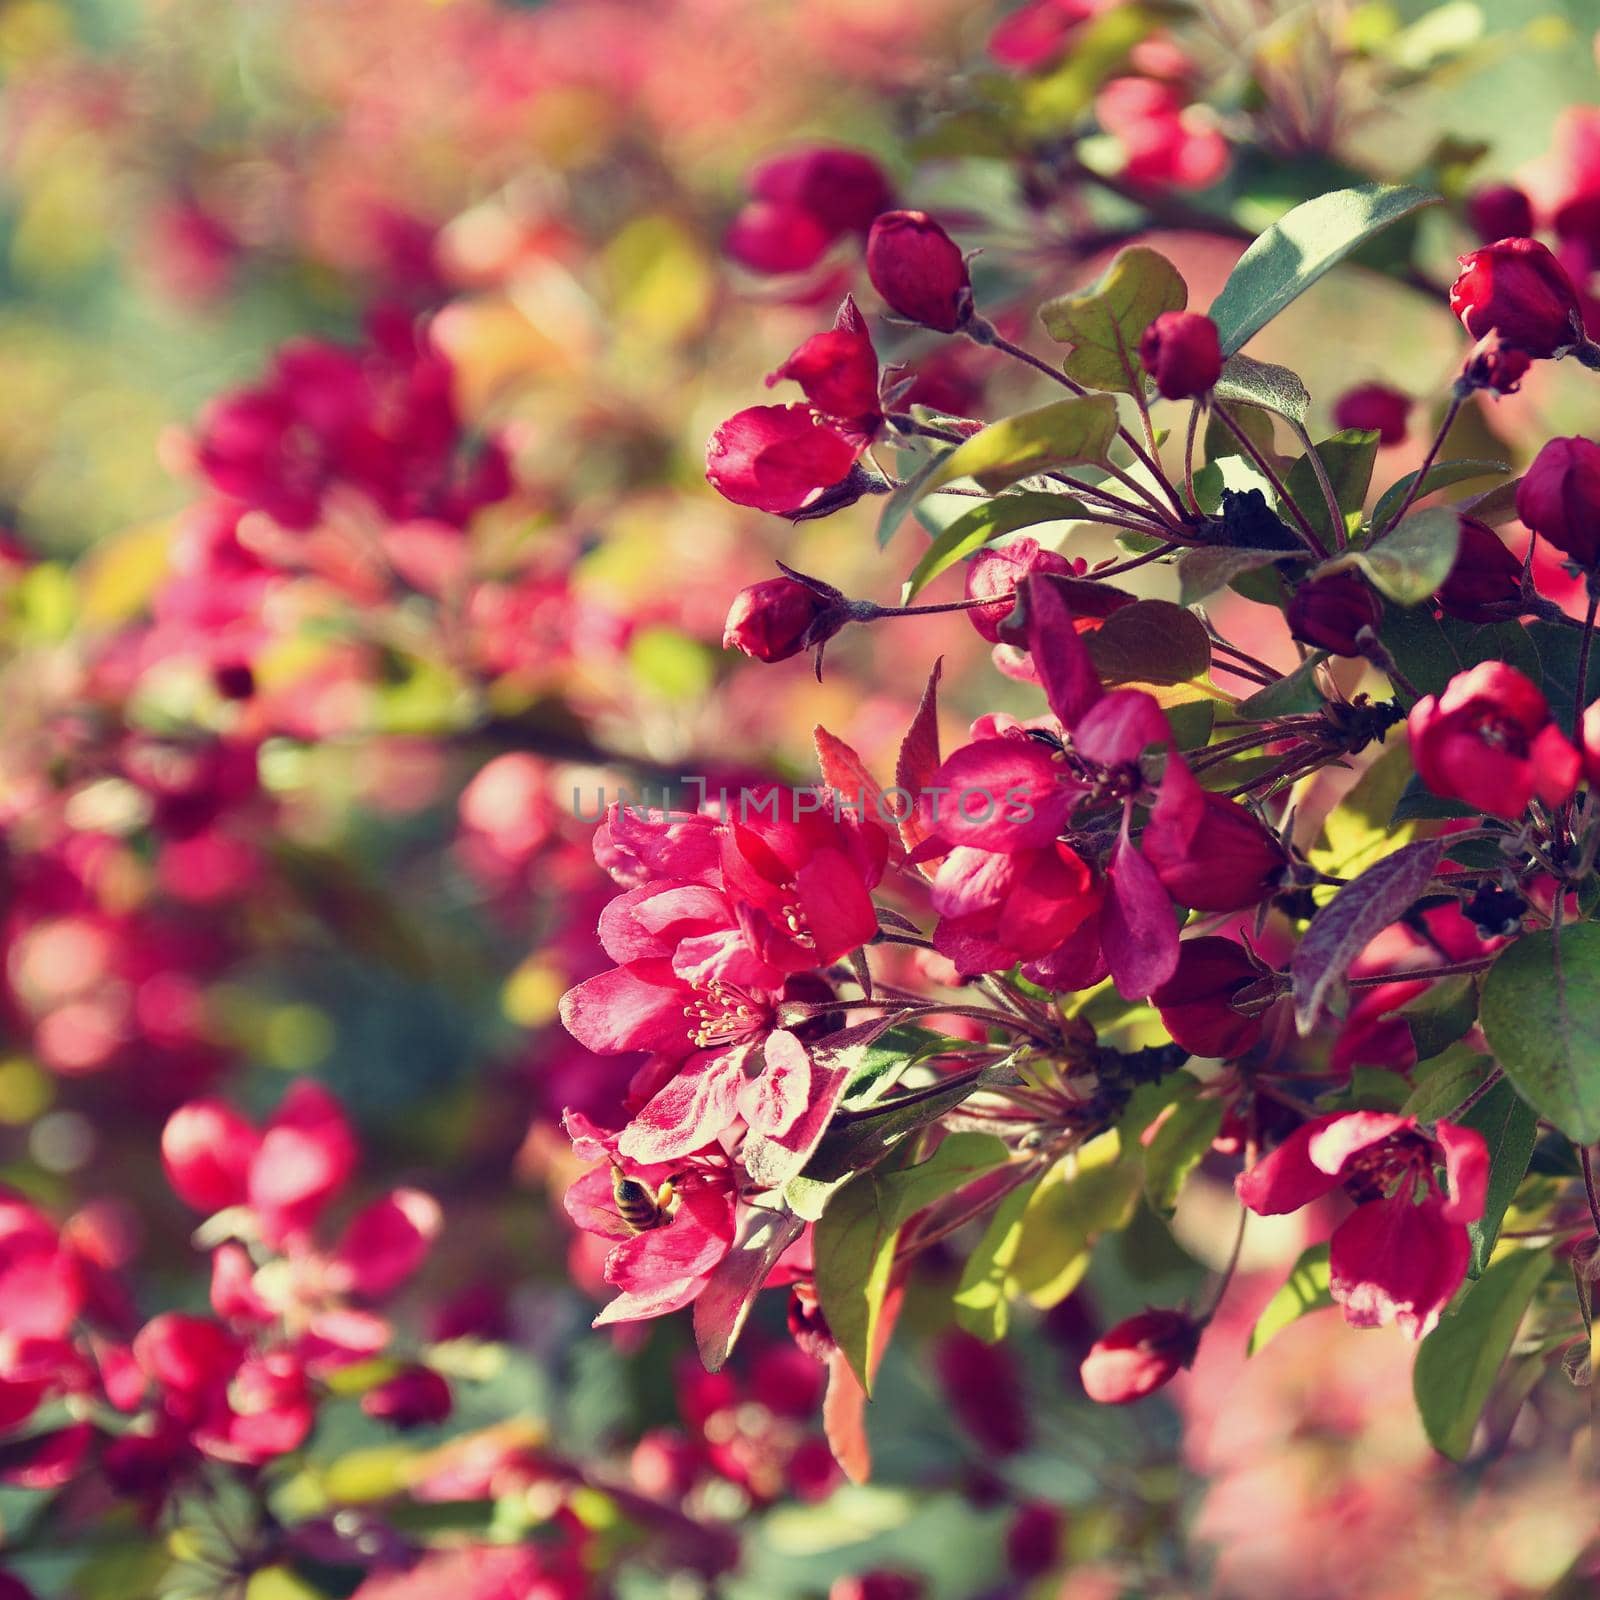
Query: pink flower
[
  {"x": 1403, "y": 1252},
  {"x": 782, "y": 459},
  {"x": 1139, "y": 1356},
  {"x": 800, "y": 203}
]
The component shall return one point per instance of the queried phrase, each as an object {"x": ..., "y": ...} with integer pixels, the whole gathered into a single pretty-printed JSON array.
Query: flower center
[
  {"x": 794, "y": 919},
  {"x": 720, "y": 1014},
  {"x": 1385, "y": 1169}
]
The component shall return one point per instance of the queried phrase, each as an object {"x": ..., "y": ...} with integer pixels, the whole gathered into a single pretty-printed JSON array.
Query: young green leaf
[
  {"x": 1259, "y": 383},
  {"x": 1064, "y": 433},
  {"x": 1299, "y": 248},
  {"x": 1178, "y": 1146},
  {"x": 1440, "y": 476},
  {"x": 976, "y": 528},
  {"x": 1541, "y": 1015},
  {"x": 1347, "y": 458},
  {"x": 1206, "y": 568},
  {"x": 898, "y": 505},
  {"x": 1156, "y": 646},
  {"x": 987, "y": 1287},
  {"x": 1361, "y": 827},
  {"x": 1082, "y": 1197},
  {"x": 1105, "y": 322},
  {"x": 1411, "y": 562},
  {"x": 1305, "y": 1290},
  {"x": 1459, "y": 1361}
]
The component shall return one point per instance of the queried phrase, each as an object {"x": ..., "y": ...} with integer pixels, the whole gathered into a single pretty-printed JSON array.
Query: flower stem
[{"x": 1422, "y": 471}]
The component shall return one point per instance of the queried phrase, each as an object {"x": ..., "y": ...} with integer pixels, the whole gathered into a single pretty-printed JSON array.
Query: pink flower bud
[
  {"x": 414, "y": 1398},
  {"x": 1494, "y": 365},
  {"x": 1559, "y": 498},
  {"x": 1329, "y": 613},
  {"x": 771, "y": 620},
  {"x": 1499, "y": 211},
  {"x": 1489, "y": 740},
  {"x": 1197, "y": 1002},
  {"x": 919, "y": 270},
  {"x": 1033, "y": 1541},
  {"x": 1229, "y": 862},
  {"x": 999, "y": 571},
  {"x": 782, "y": 459},
  {"x": 206, "y": 1151},
  {"x": 1518, "y": 290},
  {"x": 1375, "y": 407},
  {"x": 1181, "y": 352},
  {"x": 1139, "y": 1356},
  {"x": 1485, "y": 578}
]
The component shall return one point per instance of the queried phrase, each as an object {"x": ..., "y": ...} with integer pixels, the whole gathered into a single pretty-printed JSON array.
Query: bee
[{"x": 637, "y": 1208}]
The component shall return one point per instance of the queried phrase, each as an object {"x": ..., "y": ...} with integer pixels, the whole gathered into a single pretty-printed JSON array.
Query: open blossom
[
  {"x": 1403, "y": 1252},
  {"x": 1490, "y": 740}
]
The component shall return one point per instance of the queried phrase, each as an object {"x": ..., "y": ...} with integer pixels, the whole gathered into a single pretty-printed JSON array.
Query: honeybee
[{"x": 637, "y": 1208}]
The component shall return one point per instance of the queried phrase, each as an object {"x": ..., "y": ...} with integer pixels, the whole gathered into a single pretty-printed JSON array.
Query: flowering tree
[{"x": 1181, "y": 923}]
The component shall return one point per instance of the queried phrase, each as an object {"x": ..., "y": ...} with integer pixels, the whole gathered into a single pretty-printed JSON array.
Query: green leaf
[
  {"x": 1089, "y": 1193},
  {"x": 854, "y": 1242},
  {"x": 988, "y": 1286},
  {"x": 1206, "y": 568},
  {"x": 1064, "y": 433},
  {"x": 1431, "y": 650},
  {"x": 1510, "y": 1130},
  {"x": 1411, "y": 562},
  {"x": 1220, "y": 440},
  {"x": 1557, "y": 670},
  {"x": 1361, "y": 827},
  {"x": 886, "y": 1058},
  {"x": 1343, "y": 928},
  {"x": 1259, "y": 383},
  {"x": 1445, "y": 1082},
  {"x": 1459, "y": 1361},
  {"x": 1441, "y": 1014},
  {"x": 1440, "y": 476},
  {"x": 1541, "y": 1015},
  {"x": 865, "y": 1137},
  {"x": 1305, "y": 1290},
  {"x": 899, "y": 504},
  {"x": 1178, "y": 1146},
  {"x": 1289, "y": 696},
  {"x": 975, "y": 528},
  {"x": 1155, "y": 646},
  {"x": 1347, "y": 458},
  {"x": 1105, "y": 322},
  {"x": 1299, "y": 248}
]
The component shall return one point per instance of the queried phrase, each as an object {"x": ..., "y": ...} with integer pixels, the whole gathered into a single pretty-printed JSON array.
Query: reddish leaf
[{"x": 917, "y": 763}]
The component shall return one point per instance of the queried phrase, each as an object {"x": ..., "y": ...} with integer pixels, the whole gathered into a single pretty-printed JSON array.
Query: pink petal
[
  {"x": 772, "y": 1103},
  {"x": 1394, "y": 1261},
  {"x": 1333, "y": 1144},
  {"x": 1138, "y": 927},
  {"x": 1466, "y": 1168},
  {"x": 1286, "y": 1179},
  {"x": 699, "y": 1104}
]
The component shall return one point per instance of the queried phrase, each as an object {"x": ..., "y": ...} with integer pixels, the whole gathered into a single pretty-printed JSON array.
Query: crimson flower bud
[
  {"x": 1182, "y": 353},
  {"x": 981, "y": 1385},
  {"x": 772, "y": 620},
  {"x": 1197, "y": 1002},
  {"x": 999, "y": 570},
  {"x": 919, "y": 270},
  {"x": 1499, "y": 211},
  {"x": 414, "y": 1398},
  {"x": 1559, "y": 498},
  {"x": 1489, "y": 740},
  {"x": 1374, "y": 406},
  {"x": 206, "y": 1151},
  {"x": 1485, "y": 579},
  {"x": 788, "y": 460},
  {"x": 1329, "y": 613},
  {"x": 1033, "y": 1541},
  {"x": 1139, "y": 1356},
  {"x": 1228, "y": 863},
  {"x": 1589, "y": 741},
  {"x": 1518, "y": 290}
]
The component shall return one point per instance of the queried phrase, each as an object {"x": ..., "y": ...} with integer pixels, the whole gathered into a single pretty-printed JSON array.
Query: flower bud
[
  {"x": 414, "y": 1398},
  {"x": 1375, "y": 407},
  {"x": 1589, "y": 741},
  {"x": 1485, "y": 579},
  {"x": 1489, "y": 741},
  {"x": 781, "y": 459},
  {"x": 999, "y": 571},
  {"x": 1139, "y": 1356},
  {"x": 1495, "y": 366},
  {"x": 1033, "y": 1541},
  {"x": 1499, "y": 211},
  {"x": 1518, "y": 290},
  {"x": 1196, "y": 1002},
  {"x": 206, "y": 1150},
  {"x": 772, "y": 620},
  {"x": 1329, "y": 613},
  {"x": 1182, "y": 353},
  {"x": 919, "y": 270},
  {"x": 1559, "y": 498},
  {"x": 1228, "y": 863}
]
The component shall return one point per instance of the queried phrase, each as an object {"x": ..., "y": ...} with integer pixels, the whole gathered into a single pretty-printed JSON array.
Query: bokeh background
[{"x": 399, "y": 893}]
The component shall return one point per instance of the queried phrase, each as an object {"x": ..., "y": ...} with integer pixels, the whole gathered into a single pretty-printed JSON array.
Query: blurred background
[{"x": 287, "y": 770}]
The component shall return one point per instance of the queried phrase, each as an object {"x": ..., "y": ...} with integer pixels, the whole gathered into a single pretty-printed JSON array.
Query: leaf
[
  {"x": 1557, "y": 671},
  {"x": 1087, "y": 1194},
  {"x": 1299, "y": 248},
  {"x": 987, "y": 1288},
  {"x": 1361, "y": 828},
  {"x": 1178, "y": 1146},
  {"x": 854, "y": 1242},
  {"x": 1305, "y": 1290},
  {"x": 1156, "y": 646},
  {"x": 915, "y": 765},
  {"x": 1105, "y": 322},
  {"x": 1410, "y": 563},
  {"x": 1441, "y": 1014},
  {"x": 1290, "y": 695},
  {"x": 1259, "y": 383},
  {"x": 1440, "y": 476},
  {"x": 974, "y": 529},
  {"x": 909, "y": 492},
  {"x": 1360, "y": 911},
  {"x": 1447, "y": 1081},
  {"x": 1431, "y": 650},
  {"x": 1459, "y": 1361},
  {"x": 1510, "y": 1130},
  {"x": 1064, "y": 433},
  {"x": 1204, "y": 569},
  {"x": 724, "y": 1304},
  {"x": 1541, "y": 1015},
  {"x": 1347, "y": 458},
  {"x": 884, "y": 1060},
  {"x": 866, "y": 1137},
  {"x": 1256, "y": 424}
]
